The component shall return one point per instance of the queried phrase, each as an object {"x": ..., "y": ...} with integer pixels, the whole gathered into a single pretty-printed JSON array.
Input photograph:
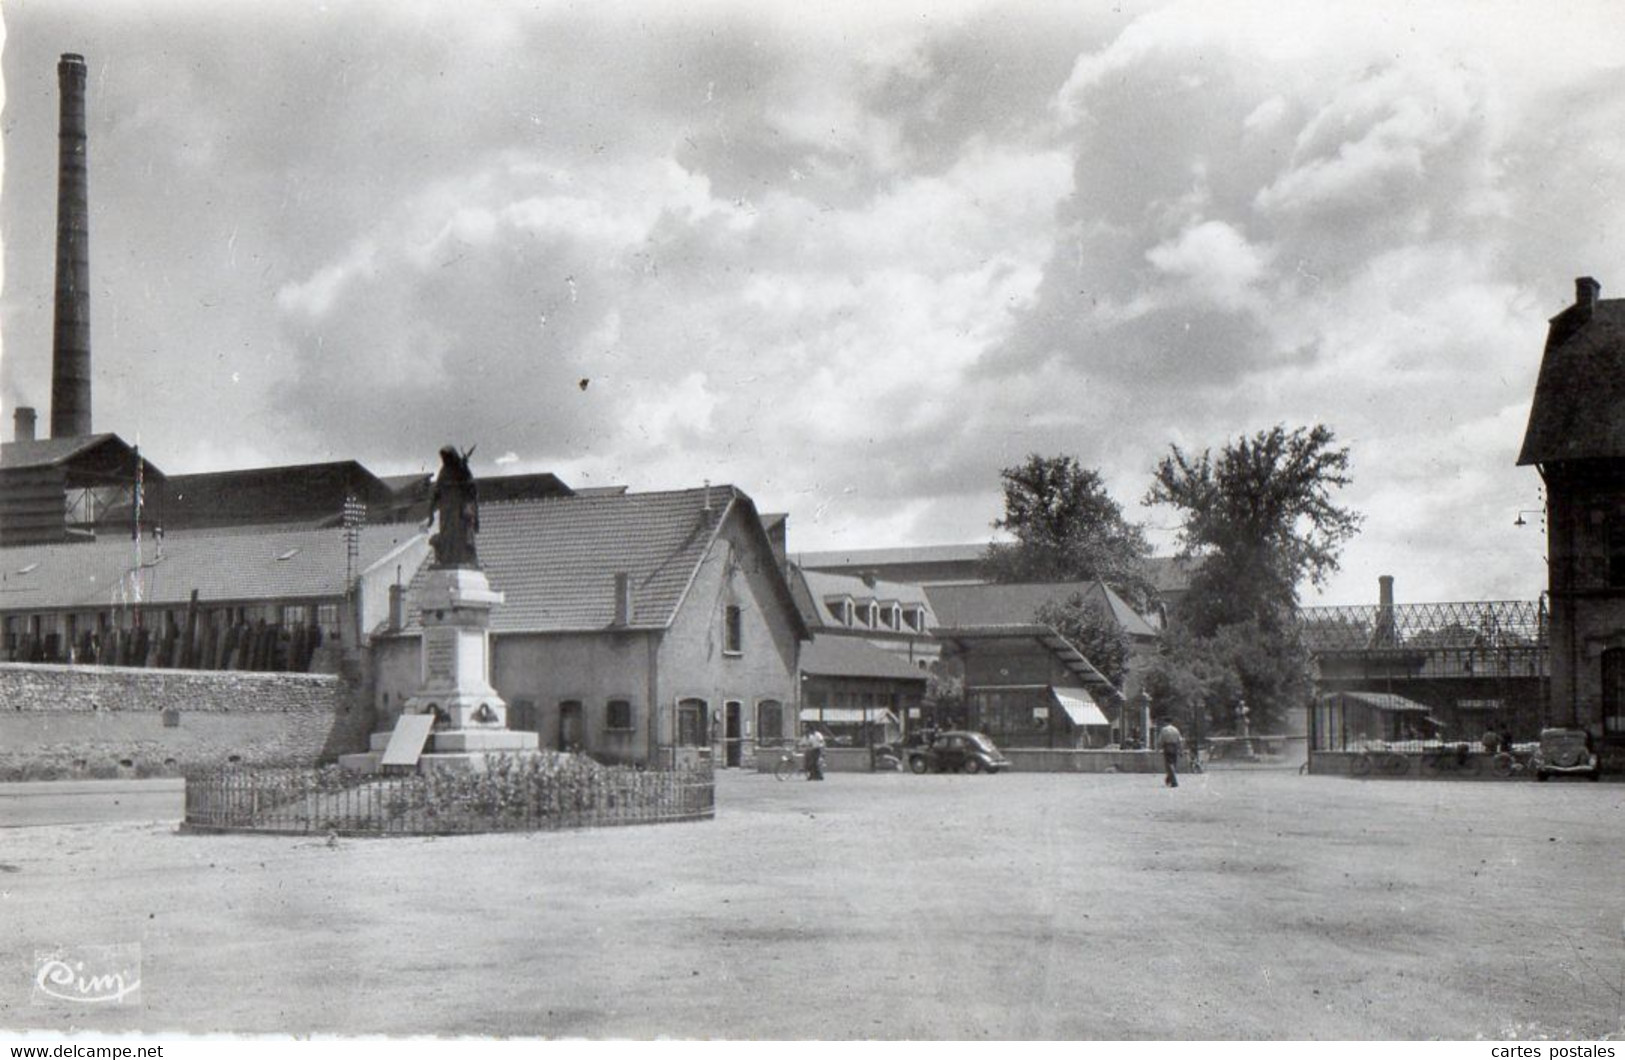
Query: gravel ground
[{"x": 1241, "y": 905}]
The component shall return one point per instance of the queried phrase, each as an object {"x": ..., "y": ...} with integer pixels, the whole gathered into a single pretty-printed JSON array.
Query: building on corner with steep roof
[{"x": 1576, "y": 439}]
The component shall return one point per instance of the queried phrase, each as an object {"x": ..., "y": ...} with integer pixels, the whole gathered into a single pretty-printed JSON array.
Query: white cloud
[{"x": 1217, "y": 263}]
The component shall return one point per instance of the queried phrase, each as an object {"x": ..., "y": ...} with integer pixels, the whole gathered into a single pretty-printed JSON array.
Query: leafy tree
[
  {"x": 1092, "y": 631},
  {"x": 1067, "y": 528},
  {"x": 1261, "y": 519}
]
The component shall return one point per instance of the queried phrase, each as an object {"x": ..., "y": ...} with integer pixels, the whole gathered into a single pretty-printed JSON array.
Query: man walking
[{"x": 1169, "y": 740}]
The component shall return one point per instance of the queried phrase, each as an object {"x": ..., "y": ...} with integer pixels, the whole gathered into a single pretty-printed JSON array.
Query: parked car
[
  {"x": 953, "y": 752},
  {"x": 1565, "y": 752}
]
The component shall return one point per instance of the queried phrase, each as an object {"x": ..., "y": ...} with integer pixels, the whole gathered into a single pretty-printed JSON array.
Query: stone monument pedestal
[{"x": 455, "y": 719}]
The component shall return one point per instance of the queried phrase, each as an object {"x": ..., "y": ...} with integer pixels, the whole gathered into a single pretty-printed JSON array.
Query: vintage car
[
  {"x": 1565, "y": 752},
  {"x": 953, "y": 752}
]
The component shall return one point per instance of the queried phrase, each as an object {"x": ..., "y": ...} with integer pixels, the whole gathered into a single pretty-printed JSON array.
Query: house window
[
  {"x": 1613, "y": 691},
  {"x": 327, "y": 616},
  {"x": 618, "y": 716},
  {"x": 692, "y": 716},
  {"x": 840, "y": 611},
  {"x": 293, "y": 614},
  {"x": 769, "y": 721},
  {"x": 863, "y": 615},
  {"x": 733, "y": 630},
  {"x": 890, "y": 616}
]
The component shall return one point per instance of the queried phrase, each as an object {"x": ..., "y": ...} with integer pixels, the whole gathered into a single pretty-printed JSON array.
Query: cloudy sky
[{"x": 854, "y": 261}]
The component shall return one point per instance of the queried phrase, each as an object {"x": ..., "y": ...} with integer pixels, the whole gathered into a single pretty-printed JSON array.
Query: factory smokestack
[{"x": 70, "y": 346}]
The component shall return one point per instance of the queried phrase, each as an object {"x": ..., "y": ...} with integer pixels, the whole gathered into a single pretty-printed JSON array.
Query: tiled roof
[
  {"x": 241, "y": 565},
  {"x": 835, "y": 656},
  {"x": 555, "y": 560},
  {"x": 1579, "y": 406},
  {"x": 995, "y": 605}
]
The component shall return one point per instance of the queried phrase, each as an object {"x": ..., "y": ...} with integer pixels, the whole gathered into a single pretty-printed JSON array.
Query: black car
[{"x": 954, "y": 752}]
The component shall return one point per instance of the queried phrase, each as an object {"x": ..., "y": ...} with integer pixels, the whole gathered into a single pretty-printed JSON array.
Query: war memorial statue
[
  {"x": 455, "y": 503},
  {"x": 455, "y": 718}
]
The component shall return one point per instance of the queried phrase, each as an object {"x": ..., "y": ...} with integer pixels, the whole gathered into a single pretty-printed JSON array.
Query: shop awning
[
  {"x": 850, "y": 715},
  {"x": 1079, "y": 706}
]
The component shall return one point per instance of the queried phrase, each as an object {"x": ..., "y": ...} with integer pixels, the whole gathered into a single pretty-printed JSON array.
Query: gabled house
[{"x": 646, "y": 628}]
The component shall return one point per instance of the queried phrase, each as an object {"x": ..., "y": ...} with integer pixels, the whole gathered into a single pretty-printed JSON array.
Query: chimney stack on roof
[
  {"x": 623, "y": 599},
  {"x": 1586, "y": 292},
  {"x": 70, "y": 346},
  {"x": 22, "y": 425}
]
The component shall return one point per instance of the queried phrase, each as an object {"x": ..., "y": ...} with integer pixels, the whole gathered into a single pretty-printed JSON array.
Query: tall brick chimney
[{"x": 70, "y": 346}]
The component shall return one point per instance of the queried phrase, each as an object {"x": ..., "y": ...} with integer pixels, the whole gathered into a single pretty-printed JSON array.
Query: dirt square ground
[{"x": 1241, "y": 905}]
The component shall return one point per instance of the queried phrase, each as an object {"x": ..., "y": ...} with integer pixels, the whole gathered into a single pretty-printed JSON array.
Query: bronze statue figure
[{"x": 455, "y": 503}]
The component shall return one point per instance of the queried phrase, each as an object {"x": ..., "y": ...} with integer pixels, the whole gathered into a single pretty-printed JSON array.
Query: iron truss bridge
[{"x": 1486, "y": 638}]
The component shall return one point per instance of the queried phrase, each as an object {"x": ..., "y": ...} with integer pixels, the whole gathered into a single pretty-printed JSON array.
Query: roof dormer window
[{"x": 840, "y": 609}]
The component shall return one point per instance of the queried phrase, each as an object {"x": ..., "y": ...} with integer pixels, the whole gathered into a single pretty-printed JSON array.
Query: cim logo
[{"x": 89, "y": 975}]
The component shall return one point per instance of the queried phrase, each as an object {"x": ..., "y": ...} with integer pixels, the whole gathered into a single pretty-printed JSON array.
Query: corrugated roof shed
[{"x": 243, "y": 565}]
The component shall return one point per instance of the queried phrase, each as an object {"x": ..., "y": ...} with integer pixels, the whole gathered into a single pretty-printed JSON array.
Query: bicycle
[
  {"x": 1452, "y": 760},
  {"x": 1507, "y": 764},
  {"x": 1386, "y": 763},
  {"x": 788, "y": 765}
]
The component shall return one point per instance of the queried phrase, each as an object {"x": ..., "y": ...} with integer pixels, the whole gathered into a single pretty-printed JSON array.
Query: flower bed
[{"x": 529, "y": 793}]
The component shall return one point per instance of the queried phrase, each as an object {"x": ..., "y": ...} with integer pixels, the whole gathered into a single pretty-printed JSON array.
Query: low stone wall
[
  {"x": 94, "y": 721},
  {"x": 1045, "y": 760}
]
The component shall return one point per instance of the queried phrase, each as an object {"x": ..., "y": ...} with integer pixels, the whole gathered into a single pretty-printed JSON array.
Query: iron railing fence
[{"x": 444, "y": 802}]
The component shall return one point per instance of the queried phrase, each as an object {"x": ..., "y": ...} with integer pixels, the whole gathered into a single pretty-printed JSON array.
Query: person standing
[
  {"x": 815, "y": 755},
  {"x": 1169, "y": 740}
]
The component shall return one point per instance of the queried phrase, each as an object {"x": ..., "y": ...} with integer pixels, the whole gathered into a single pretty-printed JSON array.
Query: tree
[
  {"x": 1067, "y": 528},
  {"x": 1261, "y": 519},
  {"x": 1092, "y": 631}
]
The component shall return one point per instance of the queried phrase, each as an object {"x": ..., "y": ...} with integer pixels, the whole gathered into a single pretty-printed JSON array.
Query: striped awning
[{"x": 1079, "y": 706}]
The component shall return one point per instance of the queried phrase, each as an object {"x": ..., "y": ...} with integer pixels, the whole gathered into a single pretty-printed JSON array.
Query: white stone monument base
[{"x": 472, "y": 719}]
